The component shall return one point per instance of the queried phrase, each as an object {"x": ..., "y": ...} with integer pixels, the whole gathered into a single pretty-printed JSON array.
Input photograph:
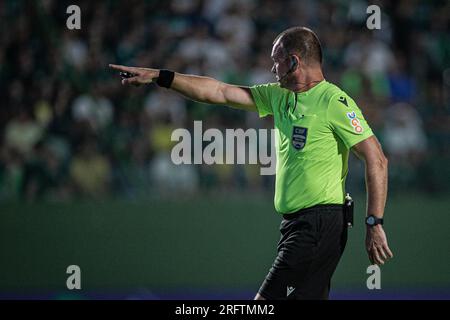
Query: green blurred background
[
  {"x": 217, "y": 248},
  {"x": 86, "y": 176}
]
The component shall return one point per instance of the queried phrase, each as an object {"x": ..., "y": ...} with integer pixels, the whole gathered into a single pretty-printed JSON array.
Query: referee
[{"x": 317, "y": 124}]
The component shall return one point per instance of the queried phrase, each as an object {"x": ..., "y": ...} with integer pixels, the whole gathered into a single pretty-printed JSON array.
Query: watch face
[{"x": 370, "y": 220}]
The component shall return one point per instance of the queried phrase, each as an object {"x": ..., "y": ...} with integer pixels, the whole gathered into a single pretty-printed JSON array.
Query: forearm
[
  {"x": 376, "y": 182},
  {"x": 202, "y": 89},
  {"x": 376, "y": 165},
  {"x": 376, "y": 186}
]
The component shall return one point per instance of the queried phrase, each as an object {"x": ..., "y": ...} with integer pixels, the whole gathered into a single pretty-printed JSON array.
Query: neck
[{"x": 307, "y": 79}]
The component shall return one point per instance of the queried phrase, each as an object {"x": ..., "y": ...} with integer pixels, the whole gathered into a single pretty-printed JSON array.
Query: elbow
[
  {"x": 377, "y": 163},
  {"x": 382, "y": 162}
]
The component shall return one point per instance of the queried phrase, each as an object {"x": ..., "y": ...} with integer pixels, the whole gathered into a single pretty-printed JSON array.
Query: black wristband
[{"x": 165, "y": 78}]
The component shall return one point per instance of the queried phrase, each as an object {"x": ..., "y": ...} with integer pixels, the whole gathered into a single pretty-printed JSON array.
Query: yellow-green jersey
[{"x": 315, "y": 130}]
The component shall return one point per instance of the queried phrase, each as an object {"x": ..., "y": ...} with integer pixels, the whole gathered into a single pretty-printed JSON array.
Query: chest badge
[{"x": 299, "y": 135}]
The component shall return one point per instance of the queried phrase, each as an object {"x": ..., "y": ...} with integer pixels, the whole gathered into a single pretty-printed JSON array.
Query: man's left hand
[{"x": 376, "y": 245}]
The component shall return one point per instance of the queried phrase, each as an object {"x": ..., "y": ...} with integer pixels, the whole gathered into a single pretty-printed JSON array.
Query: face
[{"x": 281, "y": 63}]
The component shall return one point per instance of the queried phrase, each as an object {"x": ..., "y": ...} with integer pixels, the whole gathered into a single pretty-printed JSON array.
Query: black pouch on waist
[{"x": 348, "y": 210}]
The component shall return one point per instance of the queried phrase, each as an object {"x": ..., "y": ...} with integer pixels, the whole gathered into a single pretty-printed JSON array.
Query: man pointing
[{"x": 317, "y": 124}]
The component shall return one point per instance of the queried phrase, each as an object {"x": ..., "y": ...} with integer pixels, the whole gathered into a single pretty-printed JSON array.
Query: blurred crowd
[{"x": 69, "y": 129}]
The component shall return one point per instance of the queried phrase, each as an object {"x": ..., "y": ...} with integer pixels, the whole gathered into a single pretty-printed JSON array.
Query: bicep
[{"x": 238, "y": 97}]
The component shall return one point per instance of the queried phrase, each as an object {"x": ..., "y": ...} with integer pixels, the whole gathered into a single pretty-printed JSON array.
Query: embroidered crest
[{"x": 299, "y": 135}]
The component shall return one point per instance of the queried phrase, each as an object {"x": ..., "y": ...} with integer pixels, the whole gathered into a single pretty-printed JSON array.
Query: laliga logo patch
[{"x": 354, "y": 122}]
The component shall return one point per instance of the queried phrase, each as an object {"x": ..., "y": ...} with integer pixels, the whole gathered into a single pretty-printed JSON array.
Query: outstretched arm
[
  {"x": 376, "y": 163},
  {"x": 202, "y": 89}
]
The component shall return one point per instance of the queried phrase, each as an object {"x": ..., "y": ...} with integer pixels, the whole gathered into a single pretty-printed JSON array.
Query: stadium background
[{"x": 85, "y": 170}]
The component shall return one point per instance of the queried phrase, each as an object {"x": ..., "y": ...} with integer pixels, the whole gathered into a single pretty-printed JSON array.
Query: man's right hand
[
  {"x": 197, "y": 88},
  {"x": 139, "y": 75}
]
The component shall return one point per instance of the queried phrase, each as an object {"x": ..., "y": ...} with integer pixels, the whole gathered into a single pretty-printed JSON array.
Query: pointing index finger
[{"x": 122, "y": 68}]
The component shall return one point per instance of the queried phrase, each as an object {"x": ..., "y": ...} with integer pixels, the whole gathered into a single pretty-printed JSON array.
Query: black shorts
[{"x": 311, "y": 245}]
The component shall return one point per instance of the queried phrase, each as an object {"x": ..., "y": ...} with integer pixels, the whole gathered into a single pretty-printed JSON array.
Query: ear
[{"x": 294, "y": 62}]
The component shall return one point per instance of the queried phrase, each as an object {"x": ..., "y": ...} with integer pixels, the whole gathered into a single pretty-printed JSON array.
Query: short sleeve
[
  {"x": 263, "y": 97},
  {"x": 347, "y": 120}
]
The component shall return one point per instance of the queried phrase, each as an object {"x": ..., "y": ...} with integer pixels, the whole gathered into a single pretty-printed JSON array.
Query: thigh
[
  {"x": 296, "y": 252},
  {"x": 308, "y": 253},
  {"x": 332, "y": 241}
]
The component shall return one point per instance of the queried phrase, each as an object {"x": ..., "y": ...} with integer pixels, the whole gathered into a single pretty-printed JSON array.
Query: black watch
[{"x": 373, "y": 221}]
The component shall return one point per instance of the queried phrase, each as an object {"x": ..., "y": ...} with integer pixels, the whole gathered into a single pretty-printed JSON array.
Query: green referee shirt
[{"x": 315, "y": 130}]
